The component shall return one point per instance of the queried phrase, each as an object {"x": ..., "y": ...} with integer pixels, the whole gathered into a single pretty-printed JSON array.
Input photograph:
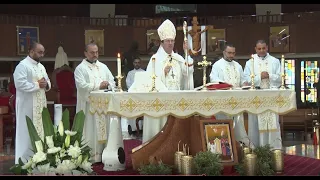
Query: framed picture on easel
[
  {"x": 218, "y": 137},
  {"x": 25, "y": 36}
]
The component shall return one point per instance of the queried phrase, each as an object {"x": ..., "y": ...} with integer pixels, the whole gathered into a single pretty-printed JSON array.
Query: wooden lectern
[{"x": 164, "y": 144}]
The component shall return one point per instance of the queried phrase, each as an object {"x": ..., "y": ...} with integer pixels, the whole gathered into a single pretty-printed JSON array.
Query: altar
[{"x": 181, "y": 106}]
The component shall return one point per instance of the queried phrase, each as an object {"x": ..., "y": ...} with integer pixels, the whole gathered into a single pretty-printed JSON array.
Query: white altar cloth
[{"x": 183, "y": 104}]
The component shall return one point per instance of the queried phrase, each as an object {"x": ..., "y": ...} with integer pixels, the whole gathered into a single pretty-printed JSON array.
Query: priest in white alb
[
  {"x": 91, "y": 75},
  {"x": 171, "y": 68},
  {"x": 31, "y": 81},
  {"x": 264, "y": 128},
  {"x": 230, "y": 71}
]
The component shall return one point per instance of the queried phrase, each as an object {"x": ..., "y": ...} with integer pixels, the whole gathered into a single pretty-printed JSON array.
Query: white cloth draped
[
  {"x": 183, "y": 104},
  {"x": 264, "y": 128},
  {"x": 30, "y": 100},
  {"x": 232, "y": 73},
  {"x": 61, "y": 58},
  {"x": 130, "y": 76},
  {"x": 125, "y": 123},
  {"x": 88, "y": 78}
]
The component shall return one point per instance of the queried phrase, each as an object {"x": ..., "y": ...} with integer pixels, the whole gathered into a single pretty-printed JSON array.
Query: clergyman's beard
[
  {"x": 36, "y": 59},
  {"x": 228, "y": 59}
]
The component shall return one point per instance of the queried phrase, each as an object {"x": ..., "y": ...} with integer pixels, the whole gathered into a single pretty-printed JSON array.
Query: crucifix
[
  {"x": 204, "y": 64},
  {"x": 172, "y": 75},
  {"x": 195, "y": 34}
]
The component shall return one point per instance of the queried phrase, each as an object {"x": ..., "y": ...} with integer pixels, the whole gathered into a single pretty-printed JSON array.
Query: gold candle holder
[
  {"x": 153, "y": 88},
  {"x": 250, "y": 163},
  {"x": 252, "y": 83},
  {"x": 283, "y": 87},
  {"x": 187, "y": 164},
  {"x": 245, "y": 151},
  {"x": 153, "y": 77},
  {"x": 204, "y": 65},
  {"x": 177, "y": 159},
  {"x": 278, "y": 160},
  {"x": 119, "y": 77}
]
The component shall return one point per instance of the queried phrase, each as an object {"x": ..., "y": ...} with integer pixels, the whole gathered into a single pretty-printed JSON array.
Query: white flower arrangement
[{"x": 61, "y": 151}]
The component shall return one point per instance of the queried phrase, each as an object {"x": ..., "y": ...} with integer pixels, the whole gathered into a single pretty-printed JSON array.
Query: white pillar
[
  {"x": 102, "y": 10},
  {"x": 261, "y": 9}
]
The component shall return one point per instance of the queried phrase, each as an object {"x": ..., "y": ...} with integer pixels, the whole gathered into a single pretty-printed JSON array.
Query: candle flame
[
  {"x": 282, "y": 56},
  {"x": 118, "y": 55},
  {"x": 252, "y": 56}
]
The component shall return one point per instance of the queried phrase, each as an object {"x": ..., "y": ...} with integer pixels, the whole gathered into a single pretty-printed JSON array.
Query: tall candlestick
[
  {"x": 283, "y": 75},
  {"x": 252, "y": 73},
  {"x": 153, "y": 66},
  {"x": 153, "y": 76},
  {"x": 282, "y": 65},
  {"x": 252, "y": 64},
  {"x": 119, "y": 64}
]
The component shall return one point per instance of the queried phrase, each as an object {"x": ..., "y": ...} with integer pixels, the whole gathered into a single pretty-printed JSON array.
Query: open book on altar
[{"x": 215, "y": 86}]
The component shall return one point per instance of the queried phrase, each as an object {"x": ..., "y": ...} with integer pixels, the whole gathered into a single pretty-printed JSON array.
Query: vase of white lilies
[{"x": 60, "y": 152}]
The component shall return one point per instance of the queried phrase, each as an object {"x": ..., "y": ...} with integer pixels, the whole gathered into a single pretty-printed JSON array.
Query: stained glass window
[
  {"x": 309, "y": 76},
  {"x": 290, "y": 73}
]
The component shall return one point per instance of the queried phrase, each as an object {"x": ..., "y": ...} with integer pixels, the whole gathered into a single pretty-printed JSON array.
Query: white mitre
[
  {"x": 167, "y": 30},
  {"x": 143, "y": 83}
]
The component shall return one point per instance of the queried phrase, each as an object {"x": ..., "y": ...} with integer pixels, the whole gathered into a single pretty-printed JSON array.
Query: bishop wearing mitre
[{"x": 171, "y": 68}]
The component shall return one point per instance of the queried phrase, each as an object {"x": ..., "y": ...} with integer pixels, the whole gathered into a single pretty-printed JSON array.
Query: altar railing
[{"x": 154, "y": 22}]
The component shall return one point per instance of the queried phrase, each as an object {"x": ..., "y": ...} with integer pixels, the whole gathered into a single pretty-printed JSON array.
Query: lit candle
[
  {"x": 252, "y": 65},
  {"x": 119, "y": 65},
  {"x": 153, "y": 65},
  {"x": 282, "y": 65}
]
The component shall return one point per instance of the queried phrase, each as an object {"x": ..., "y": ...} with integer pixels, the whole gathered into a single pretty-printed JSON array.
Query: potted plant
[{"x": 207, "y": 163}]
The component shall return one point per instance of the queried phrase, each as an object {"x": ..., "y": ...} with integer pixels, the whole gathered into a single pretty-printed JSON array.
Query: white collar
[{"x": 32, "y": 60}]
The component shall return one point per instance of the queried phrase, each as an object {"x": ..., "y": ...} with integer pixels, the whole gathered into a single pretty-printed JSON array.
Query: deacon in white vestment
[
  {"x": 172, "y": 70},
  {"x": 229, "y": 71},
  {"x": 129, "y": 81},
  {"x": 91, "y": 75},
  {"x": 264, "y": 128},
  {"x": 31, "y": 82}
]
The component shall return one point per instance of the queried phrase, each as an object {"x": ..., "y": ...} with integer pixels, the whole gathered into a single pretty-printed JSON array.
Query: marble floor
[{"x": 294, "y": 145}]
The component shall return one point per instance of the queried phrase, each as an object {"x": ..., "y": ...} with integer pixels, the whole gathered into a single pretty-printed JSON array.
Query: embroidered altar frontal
[{"x": 183, "y": 104}]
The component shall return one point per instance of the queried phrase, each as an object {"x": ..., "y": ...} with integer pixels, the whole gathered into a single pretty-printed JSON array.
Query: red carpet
[{"x": 293, "y": 165}]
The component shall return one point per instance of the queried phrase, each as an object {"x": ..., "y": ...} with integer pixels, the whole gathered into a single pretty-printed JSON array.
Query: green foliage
[
  {"x": 32, "y": 133},
  {"x": 78, "y": 126},
  {"x": 47, "y": 123},
  {"x": 65, "y": 119},
  {"x": 207, "y": 163},
  {"x": 155, "y": 169},
  {"x": 264, "y": 162}
]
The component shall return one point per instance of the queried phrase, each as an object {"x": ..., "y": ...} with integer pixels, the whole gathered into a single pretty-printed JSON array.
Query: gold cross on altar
[{"x": 204, "y": 63}]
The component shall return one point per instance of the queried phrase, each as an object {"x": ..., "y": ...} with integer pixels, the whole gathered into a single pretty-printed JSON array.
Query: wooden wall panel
[
  {"x": 140, "y": 35},
  {"x": 9, "y": 38},
  {"x": 303, "y": 38}
]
